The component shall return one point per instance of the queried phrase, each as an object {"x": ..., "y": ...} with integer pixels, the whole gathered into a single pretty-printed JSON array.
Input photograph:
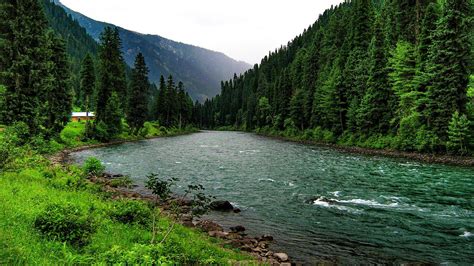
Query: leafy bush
[
  {"x": 427, "y": 141},
  {"x": 131, "y": 212},
  {"x": 12, "y": 141},
  {"x": 65, "y": 223},
  {"x": 44, "y": 146},
  {"x": 290, "y": 128},
  {"x": 137, "y": 255},
  {"x": 160, "y": 187},
  {"x": 93, "y": 167},
  {"x": 101, "y": 132}
]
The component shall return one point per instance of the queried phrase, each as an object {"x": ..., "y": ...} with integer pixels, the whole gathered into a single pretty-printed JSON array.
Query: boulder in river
[
  {"x": 237, "y": 229},
  {"x": 221, "y": 205}
]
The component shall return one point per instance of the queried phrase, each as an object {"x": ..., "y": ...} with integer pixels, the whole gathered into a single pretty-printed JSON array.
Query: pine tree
[
  {"x": 402, "y": 71},
  {"x": 23, "y": 61},
  {"x": 375, "y": 112},
  {"x": 428, "y": 27},
  {"x": 57, "y": 98},
  {"x": 112, "y": 77},
  {"x": 458, "y": 133},
  {"x": 138, "y": 104},
  {"x": 170, "y": 102},
  {"x": 449, "y": 65},
  {"x": 161, "y": 102},
  {"x": 327, "y": 107},
  {"x": 88, "y": 81},
  {"x": 113, "y": 116}
]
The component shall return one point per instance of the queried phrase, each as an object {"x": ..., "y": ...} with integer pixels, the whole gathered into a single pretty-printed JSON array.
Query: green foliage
[
  {"x": 88, "y": 82},
  {"x": 109, "y": 109},
  {"x": 391, "y": 72},
  {"x": 459, "y": 133},
  {"x": 65, "y": 223},
  {"x": 173, "y": 106},
  {"x": 449, "y": 65},
  {"x": 93, "y": 167},
  {"x": 57, "y": 96},
  {"x": 139, "y": 254},
  {"x": 131, "y": 212},
  {"x": 25, "y": 195},
  {"x": 113, "y": 117},
  {"x": 160, "y": 187},
  {"x": 138, "y": 104},
  {"x": 24, "y": 57}
]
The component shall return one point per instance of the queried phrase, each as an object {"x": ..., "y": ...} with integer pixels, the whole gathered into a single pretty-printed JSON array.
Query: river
[{"x": 318, "y": 203}]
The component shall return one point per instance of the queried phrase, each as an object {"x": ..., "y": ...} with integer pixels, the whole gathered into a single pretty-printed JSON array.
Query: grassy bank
[{"x": 53, "y": 215}]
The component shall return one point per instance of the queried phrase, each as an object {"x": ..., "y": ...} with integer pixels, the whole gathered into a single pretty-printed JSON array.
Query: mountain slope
[{"x": 201, "y": 70}]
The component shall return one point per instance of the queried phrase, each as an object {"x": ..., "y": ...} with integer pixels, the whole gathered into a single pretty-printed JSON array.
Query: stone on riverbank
[{"x": 283, "y": 257}]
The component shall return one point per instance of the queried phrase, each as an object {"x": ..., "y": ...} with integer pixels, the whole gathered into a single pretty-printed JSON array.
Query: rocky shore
[{"x": 258, "y": 247}]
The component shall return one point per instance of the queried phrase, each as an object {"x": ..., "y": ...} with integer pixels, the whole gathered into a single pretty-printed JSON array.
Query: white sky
[{"x": 245, "y": 30}]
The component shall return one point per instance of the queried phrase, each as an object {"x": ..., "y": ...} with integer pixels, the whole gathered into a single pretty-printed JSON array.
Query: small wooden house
[{"x": 82, "y": 116}]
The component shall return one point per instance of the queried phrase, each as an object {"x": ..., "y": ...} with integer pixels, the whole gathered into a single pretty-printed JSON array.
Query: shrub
[
  {"x": 65, "y": 223},
  {"x": 131, "y": 212},
  {"x": 101, "y": 132},
  {"x": 139, "y": 254},
  {"x": 93, "y": 167}
]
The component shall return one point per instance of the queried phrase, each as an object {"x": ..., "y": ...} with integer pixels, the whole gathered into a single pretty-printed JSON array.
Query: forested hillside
[
  {"x": 383, "y": 74},
  {"x": 78, "y": 43},
  {"x": 201, "y": 70}
]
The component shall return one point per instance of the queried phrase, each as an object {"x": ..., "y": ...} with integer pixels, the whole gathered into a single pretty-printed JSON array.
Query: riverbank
[
  {"x": 447, "y": 159},
  {"x": 53, "y": 214},
  {"x": 236, "y": 238},
  {"x": 467, "y": 161}
]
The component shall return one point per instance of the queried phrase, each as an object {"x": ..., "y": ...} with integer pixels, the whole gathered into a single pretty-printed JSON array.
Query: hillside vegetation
[{"x": 382, "y": 74}]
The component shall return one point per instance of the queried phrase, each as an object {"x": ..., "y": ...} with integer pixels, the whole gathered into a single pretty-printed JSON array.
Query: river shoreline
[
  {"x": 256, "y": 246},
  {"x": 445, "y": 159}
]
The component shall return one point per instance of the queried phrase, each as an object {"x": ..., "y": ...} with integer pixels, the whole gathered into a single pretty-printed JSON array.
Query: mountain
[{"x": 201, "y": 70}]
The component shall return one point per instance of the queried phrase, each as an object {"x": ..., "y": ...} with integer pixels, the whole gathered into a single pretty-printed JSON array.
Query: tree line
[
  {"x": 391, "y": 74},
  {"x": 36, "y": 87}
]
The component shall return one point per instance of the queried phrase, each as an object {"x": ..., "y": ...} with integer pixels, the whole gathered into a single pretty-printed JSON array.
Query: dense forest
[
  {"x": 382, "y": 74},
  {"x": 49, "y": 67}
]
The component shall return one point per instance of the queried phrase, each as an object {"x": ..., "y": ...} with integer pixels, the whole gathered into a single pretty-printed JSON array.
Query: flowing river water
[{"x": 318, "y": 203}]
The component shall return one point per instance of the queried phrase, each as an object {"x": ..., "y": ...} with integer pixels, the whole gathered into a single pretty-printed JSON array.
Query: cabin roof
[{"x": 82, "y": 114}]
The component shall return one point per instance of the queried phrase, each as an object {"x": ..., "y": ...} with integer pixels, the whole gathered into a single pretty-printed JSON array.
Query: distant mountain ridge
[{"x": 201, "y": 70}]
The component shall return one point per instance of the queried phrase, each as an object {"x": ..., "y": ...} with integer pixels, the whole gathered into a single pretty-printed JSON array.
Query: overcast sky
[{"x": 245, "y": 29}]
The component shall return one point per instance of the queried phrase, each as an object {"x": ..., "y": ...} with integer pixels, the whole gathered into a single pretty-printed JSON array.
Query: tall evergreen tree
[
  {"x": 170, "y": 102},
  {"x": 449, "y": 65},
  {"x": 88, "y": 81},
  {"x": 57, "y": 97},
  {"x": 23, "y": 60},
  {"x": 112, "y": 78},
  {"x": 160, "y": 108},
  {"x": 138, "y": 105},
  {"x": 375, "y": 112}
]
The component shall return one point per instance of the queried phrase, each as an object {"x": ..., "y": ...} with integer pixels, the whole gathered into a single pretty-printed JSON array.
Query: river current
[{"x": 318, "y": 203}]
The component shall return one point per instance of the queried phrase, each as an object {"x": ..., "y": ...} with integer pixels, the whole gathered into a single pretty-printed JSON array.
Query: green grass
[
  {"x": 25, "y": 194},
  {"x": 29, "y": 184}
]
